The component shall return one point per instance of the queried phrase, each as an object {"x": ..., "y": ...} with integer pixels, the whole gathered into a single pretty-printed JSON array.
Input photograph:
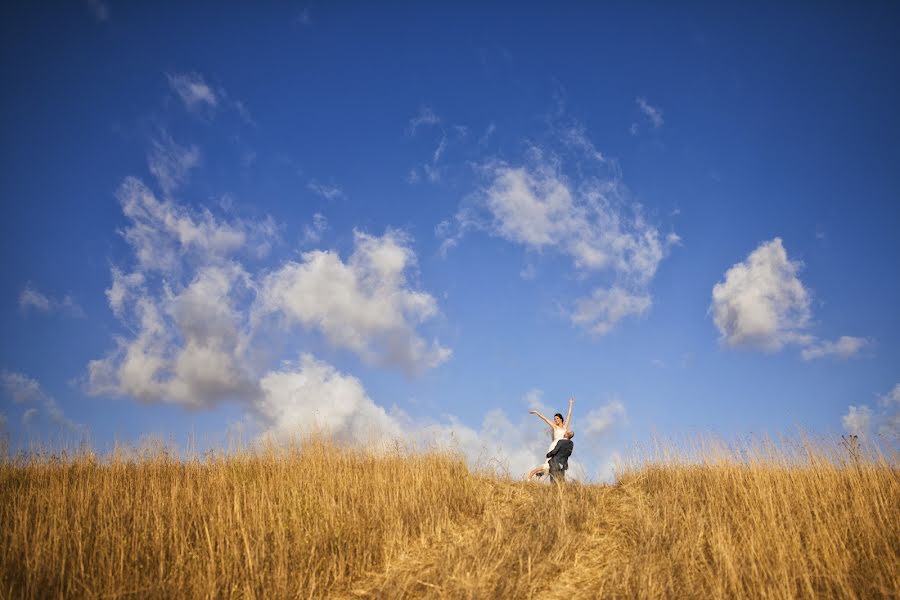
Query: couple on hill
[{"x": 561, "y": 447}]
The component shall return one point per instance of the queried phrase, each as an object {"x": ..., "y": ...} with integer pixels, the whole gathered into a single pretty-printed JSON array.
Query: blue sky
[{"x": 425, "y": 221}]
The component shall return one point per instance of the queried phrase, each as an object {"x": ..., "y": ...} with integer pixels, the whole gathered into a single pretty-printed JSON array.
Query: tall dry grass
[{"x": 324, "y": 521}]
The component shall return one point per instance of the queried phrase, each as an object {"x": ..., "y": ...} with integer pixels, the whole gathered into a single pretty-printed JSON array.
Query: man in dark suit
[{"x": 559, "y": 457}]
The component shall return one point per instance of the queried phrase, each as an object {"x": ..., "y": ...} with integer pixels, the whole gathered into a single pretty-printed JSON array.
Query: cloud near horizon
[
  {"x": 26, "y": 391},
  {"x": 198, "y": 323},
  {"x": 884, "y": 420}
]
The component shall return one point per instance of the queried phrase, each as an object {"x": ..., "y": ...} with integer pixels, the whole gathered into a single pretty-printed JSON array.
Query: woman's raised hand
[
  {"x": 572, "y": 400},
  {"x": 532, "y": 412}
]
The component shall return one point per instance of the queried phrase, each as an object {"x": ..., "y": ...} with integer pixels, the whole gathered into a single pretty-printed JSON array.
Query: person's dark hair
[{"x": 561, "y": 418}]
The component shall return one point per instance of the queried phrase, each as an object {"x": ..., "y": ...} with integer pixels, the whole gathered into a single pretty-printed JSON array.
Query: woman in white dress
[{"x": 557, "y": 430}]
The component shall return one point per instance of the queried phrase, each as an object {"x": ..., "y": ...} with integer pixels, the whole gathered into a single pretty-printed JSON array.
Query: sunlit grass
[{"x": 321, "y": 520}]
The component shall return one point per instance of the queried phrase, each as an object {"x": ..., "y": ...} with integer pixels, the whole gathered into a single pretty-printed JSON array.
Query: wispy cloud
[
  {"x": 845, "y": 346},
  {"x": 653, "y": 114},
  {"x": 312, "y": 233},
  {"x": 171, "y": 163},
  {"x": 325, "y": 190},
  {"x": 194, "y": 92},
  {"x": 32, "y": 300},
  {"x": 25, "y": 390},
  {"x": 425, "y": 117},
  {"x": 566, "y": 197}
]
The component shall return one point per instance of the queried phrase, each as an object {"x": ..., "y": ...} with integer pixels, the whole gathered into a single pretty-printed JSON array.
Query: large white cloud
[
  {"x": 364, "y": 304},
  {"x": 314, "y": 397},
  {"x": 761, "y": 303},
  {"x": 193, "y": 307}
]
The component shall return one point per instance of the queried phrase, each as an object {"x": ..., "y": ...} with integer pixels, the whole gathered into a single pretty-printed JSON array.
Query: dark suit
[{"x": 559, "y": 459}]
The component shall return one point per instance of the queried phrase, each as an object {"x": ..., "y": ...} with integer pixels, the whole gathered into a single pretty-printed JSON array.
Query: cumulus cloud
[
  {"x": 364, "y": 304},
  {"x": 844, "y": 347},
  {"x": 883, "y": 421},
  {"x": 590, "y": 218},
  {"x": 184, "y": 302},
  {"x": 313, "y": 396},
  {"x": 193, "y": 90},
  {"x": 171, "y": 163},
  {"x": 163, "y": 233},
  {"x": 32, "y": 300},
  {"x": 194, "y": 309},
  {"x": 540, "y": 209},
  {"x": 600, "y": 312},
  {"x": 761, "y": 303},
  {"x": 653, "y": 114},
  {"x": 22, "y": 389}
]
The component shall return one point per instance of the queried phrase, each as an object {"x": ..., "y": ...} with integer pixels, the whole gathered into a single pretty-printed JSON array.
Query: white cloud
[
  {"x": 844, "y": 347},
  {"x": 193, "y": 90},
  {"x": 313, "y": 396},
  {"x": 540, "y": 209},
  {"x": 651, "y": 112},
  {"x": 31, "y": 299},
  {"x": 588, "y": 216},
  {"x": 171, "y": 163},
  {"x": 600, "y": 421},
  {"x": 488, "y": 134},
  {"x": 327, "y": 191},
  {"x": 761, "y": 303},
  {"x": 600, "y": 312},
  {"x": 194, "y": 311},
  {"x": 312, "y": 234},
  {"x": 363, "y": 305},
  {"x": 162, "y": 232},
  {"x": 576, "y": 136},
  {"x": 884, "y": 421},
  {"x": 425, "y": 117},
  {"x": 21, "y": 388},
  {"x": 25, "y": 390}
]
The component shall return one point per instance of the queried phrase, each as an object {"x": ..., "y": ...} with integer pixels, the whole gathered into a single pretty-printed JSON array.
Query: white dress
[{"x": 558, "y": 434}]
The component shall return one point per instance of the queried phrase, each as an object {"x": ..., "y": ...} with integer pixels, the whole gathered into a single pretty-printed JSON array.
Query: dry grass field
[{"x": 319, "y": 521}]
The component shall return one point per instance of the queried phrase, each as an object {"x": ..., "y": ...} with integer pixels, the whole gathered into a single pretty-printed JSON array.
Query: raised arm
[
  {"x": 569, "y": 414},
  {"x": 543, "y": 418}
]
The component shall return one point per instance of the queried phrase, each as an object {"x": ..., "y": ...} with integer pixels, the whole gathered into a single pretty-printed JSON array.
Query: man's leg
[{"x": 557, "y": 475}]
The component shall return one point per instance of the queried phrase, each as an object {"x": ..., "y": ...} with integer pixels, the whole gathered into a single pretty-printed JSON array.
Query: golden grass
[{"x": 323, "y": 521}]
